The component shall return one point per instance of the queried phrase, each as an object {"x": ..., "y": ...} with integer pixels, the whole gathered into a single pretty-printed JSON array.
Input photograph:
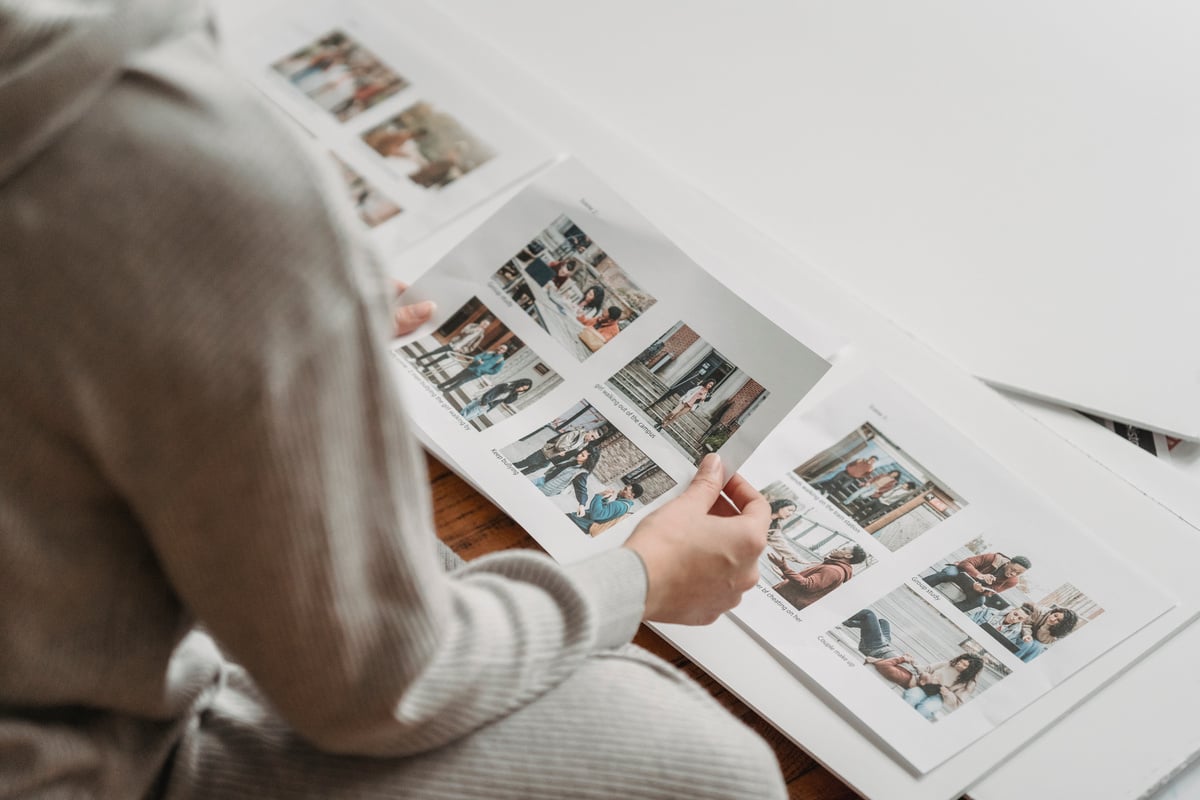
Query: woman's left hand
[{"x": 407, "y": 318}]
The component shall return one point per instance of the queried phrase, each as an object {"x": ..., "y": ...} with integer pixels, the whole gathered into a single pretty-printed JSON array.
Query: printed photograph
[
  {"x": 806, "y": 558},
  {"x": 880, "y": 486},
  {"x": 1011, "y": 598},
  {"x": 430, "y": 148},
  {"x": 485, "y": 372},
  {"x": 689, "y": 391},
  {"x": 587, "y": 468},
  {"x": 568, "y": 285},
  {"x": 371, "y": 205},
  {"x": 927, "y": 660},
  {"x": 340, "y": 75}
]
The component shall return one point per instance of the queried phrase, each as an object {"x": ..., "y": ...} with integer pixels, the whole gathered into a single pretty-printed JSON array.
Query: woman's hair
[
  {"x": 974, "y": 665},
  {"x": 779, "y": 505},
  {"x": 1065, "y": 625},
  {"x": 597, "y": 301},
  {"x": 510, "y": 391},
  {"x": 593, "y": 457}
]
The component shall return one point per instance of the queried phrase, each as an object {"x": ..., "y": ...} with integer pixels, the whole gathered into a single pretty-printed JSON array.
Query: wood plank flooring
[{"x": 472, "y": 527}]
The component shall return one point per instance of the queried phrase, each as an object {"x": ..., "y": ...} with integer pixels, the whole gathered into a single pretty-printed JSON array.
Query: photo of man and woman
[
  {"x": 482, "y": 370},
  {"x": 882, "y": 488},
  {"x": 806, "y": 558},
  {"x": 573, "y": 289},
  {"x": 430, "y": 148},
  {"x": 588, "y": 469},
  {"x": 689, "y": 391},
  {"x": 340, "y": 75},
  {"x": 1010, "y": 597},
  {"x": 927, "y": 660}
]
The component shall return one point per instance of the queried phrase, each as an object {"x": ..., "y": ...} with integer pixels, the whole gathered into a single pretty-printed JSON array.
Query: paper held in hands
[{"x": 580, "y": 365}]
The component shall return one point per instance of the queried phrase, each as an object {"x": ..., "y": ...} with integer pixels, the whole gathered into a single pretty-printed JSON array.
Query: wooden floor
[{"x": 472, "y": 526}]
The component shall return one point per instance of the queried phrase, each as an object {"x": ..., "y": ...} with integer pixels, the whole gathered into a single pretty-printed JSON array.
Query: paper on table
[
  {"x": 415, "y": 144},
  {"x": 867, "y": 467}
]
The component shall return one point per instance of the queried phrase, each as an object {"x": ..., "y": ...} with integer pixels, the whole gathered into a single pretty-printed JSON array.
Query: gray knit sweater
[{"x": 198, "y": 424}]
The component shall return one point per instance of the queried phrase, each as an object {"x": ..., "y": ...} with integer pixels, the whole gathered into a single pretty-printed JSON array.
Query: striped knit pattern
[{"x": 200, "y": 425}]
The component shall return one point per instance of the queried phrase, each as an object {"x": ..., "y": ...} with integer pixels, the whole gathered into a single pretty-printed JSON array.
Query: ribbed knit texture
[{"x": 199, "y": 424}]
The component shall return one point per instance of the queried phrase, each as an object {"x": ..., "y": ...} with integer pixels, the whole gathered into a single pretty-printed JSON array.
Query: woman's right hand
[{"x": 701, "y": 555}]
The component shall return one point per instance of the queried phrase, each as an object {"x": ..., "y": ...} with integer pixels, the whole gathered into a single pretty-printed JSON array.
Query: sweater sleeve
[{"x": 238, "y": 396}]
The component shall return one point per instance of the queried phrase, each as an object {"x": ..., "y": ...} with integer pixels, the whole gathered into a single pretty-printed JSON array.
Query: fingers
[
  {"x": 741, "y": 492},
  {"x": 407, "y": 318},
  {"x": 706, "y": 486}
]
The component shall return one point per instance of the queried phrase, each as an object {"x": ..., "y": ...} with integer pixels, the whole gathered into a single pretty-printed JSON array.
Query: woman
[
  {"x": 688, "y": 403},
  {"x": 592, "y": 304},
  {"x": 945, "y": 685},
  {"x": 1044, "y": 627},
  {"x": 574, "y": 474},
  {"x": 497, "y": 395},
  {"x": 781, "y": 510}
]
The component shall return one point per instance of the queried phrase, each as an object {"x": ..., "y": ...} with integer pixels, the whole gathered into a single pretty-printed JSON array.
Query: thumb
[
  {"x": 706, "y": 486},
  {"x": 407, "y": 318}
]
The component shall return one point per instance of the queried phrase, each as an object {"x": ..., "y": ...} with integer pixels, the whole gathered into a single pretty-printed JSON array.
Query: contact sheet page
[
  {"x": 930, "y": 592},
  {"x": 413, "y": 145},
  {"x": 580, "y": 365}
]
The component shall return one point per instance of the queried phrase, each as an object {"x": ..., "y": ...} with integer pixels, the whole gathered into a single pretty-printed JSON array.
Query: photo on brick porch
[
  {"x": 880, "y": 486},
  {"x": 688, "y": 390}
]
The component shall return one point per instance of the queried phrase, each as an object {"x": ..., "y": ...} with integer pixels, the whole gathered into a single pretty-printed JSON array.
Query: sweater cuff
[{"x": 614, "y": 583}]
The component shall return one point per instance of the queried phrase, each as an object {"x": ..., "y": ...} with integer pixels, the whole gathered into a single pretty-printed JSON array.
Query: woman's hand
[
  {"x": 407, "y": 318},
  {"x": 700, "y": 553}
]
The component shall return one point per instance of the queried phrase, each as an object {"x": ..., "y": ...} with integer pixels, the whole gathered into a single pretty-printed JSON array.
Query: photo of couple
[
  {"x": 587, "y": 468},
  {"x": 1011, "y": 598},
  {"x": 689, "y": 391},
  {"x": 806, "y": 559},
  {"x": 927, "y": 660},
  {"x": 572, "y": 288},
  {"x": 881, "y": 487},
  {"x": 480, "y": 367}
]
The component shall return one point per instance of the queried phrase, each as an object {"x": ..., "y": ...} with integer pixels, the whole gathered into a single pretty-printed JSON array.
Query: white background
[{"x": 1015, "y": 183}]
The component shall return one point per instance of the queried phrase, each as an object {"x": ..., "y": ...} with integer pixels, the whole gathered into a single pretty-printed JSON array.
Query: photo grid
[
  {"x": 881, "y": 487},
  {"x": 572, "y": 288},
  {"x": 688, "y": 390},
  {"x": 588, "y": 469},
  {"x": 484, "y": 372}
]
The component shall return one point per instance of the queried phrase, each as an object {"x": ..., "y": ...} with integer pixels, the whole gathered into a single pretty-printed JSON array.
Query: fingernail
[
  {"x": 425, "y": 308},
  {"x": 711, "y": 463}
]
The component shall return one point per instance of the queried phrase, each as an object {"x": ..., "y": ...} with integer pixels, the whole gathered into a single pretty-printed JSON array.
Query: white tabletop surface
[{"x": 1016, "y": 184}]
